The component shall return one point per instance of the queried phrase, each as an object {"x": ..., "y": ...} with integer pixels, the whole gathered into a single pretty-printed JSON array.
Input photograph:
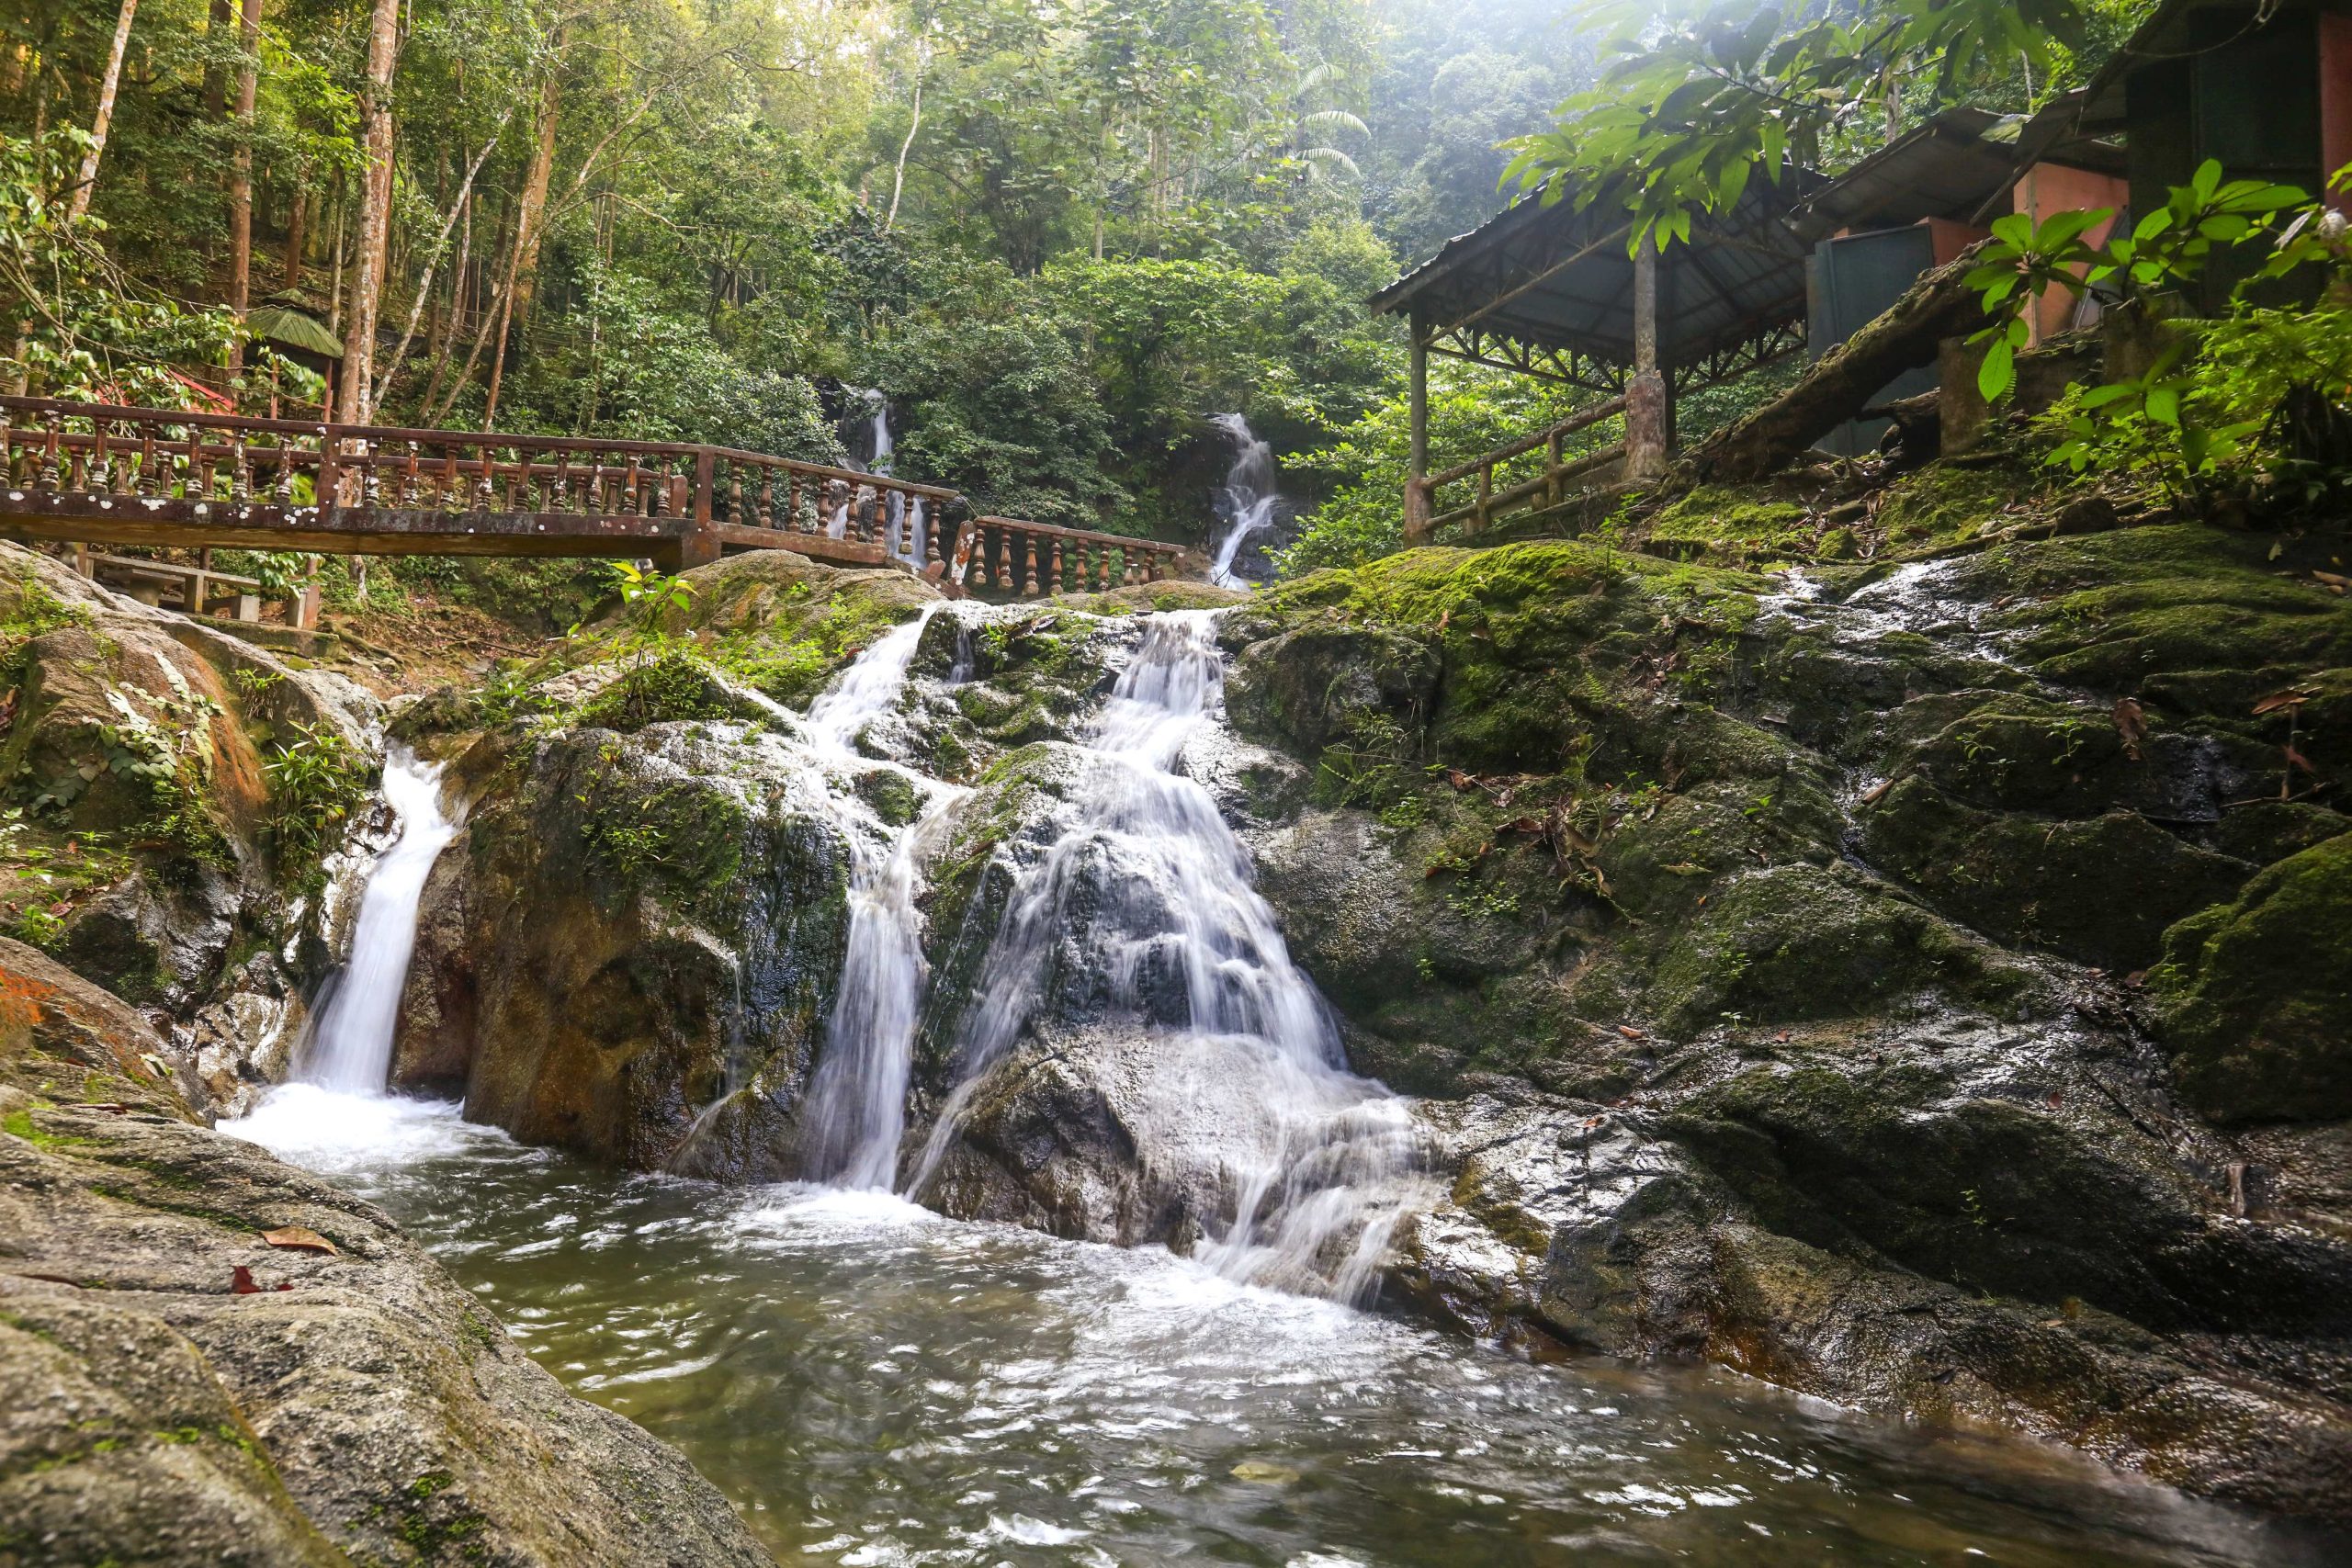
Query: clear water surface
[{"x": 873, "y": 1384}]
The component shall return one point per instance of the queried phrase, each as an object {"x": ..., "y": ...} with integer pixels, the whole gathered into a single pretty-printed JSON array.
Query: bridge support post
[{"x": 700, "y": 546}]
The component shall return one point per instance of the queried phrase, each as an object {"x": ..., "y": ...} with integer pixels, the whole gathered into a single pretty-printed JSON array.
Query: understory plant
[
  {"x": 2262, "y": 396},
  {"x": 317, "y": 779}
]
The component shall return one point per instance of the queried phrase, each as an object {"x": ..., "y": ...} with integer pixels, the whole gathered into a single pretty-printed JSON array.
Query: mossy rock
[
  {"x": 2255, "y": 996},
  {"x": 1798, "y": 942},
  {"x": 2101, "y": 890}
]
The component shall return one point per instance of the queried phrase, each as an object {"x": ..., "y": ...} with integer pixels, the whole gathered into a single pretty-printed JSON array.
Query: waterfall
[
  {"x": 855, "y": 1108},
  {"x": 1248, "y": 497},
  {"x": 1321, "y": 1164},
  {"x": 351, "y": 1049}
]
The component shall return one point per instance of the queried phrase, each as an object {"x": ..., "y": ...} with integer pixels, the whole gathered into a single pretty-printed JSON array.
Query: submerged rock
[{"x": 183, "y": 1390}]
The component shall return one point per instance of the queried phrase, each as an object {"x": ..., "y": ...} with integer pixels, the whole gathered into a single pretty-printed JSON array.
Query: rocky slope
[
  {"x": 210, "y": 1357},
  {"x": 1922, "y": 985},
  {"x": 177, "y": 798}
]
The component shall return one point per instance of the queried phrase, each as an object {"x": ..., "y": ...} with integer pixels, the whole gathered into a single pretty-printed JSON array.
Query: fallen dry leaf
[
  {"x": 300, "y": 1238},
  {"x": 2291, "y": 698},
  {"x": 2131, "y": 723},
  {"x": 1629, "y": 1031}
]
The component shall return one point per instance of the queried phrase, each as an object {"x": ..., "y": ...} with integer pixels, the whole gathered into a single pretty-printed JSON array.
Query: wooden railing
[
  {"x": 1010, "y": 554},
  {"x": 1560, "y": 476},
  {"x": 367, "y": 488}
]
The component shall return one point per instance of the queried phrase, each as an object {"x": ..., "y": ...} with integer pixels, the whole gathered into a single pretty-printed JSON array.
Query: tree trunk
[
  {"x": 241, "y": 178},
  {"x": 295, "y": 216},
  {"x": 1842, "y": 382},
  {"x": 432, "y": 261},
  {"x": 216, "y": 81},
  {"x": 524, "y": 260},
  {"x": 104, "y": 117},
  {"x": 375, "y": 221}
]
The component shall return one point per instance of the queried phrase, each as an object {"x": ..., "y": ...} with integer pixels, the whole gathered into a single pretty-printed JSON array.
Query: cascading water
[
  {"x": 855, "y": 1109},
  {"x": 351, "y": 1049},
  {"x": 1248, "y": 497},
  {"x": 1320, "y": 1164}
]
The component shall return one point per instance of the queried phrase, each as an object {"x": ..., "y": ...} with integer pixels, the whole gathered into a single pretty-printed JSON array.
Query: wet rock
[
  {"x": 356, "y": 1406},
  {"x": 631, "y": 952},
  {"x": 1756, "y": 904},
  {"x": 2255, "y": 996}
]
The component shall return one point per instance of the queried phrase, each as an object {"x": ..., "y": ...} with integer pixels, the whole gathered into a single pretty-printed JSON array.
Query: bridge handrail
[{"x": 130, "y": 414}]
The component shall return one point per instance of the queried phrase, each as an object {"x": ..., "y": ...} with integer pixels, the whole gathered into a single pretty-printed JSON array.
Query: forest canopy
[{"x": 1059, "y": 234}]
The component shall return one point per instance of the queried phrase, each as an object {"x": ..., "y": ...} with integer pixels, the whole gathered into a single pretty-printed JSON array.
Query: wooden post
[
  {"x": 1647, "y": 415},
  {"x": 700, "y": 546},
  {"x": 1417, "y": 495}
]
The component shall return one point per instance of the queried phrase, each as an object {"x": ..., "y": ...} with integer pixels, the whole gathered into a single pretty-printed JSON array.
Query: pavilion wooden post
[
  {"x": 1416, "y": 489},
  {"x": 1648, "y": 417}
]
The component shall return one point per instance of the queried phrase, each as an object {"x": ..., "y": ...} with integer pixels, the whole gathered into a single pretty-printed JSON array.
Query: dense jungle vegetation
[{"x": 1059, "y": 235}]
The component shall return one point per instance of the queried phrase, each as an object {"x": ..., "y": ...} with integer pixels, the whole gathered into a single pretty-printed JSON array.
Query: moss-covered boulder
[
  {"x": 176, "y": 794},
  {"x": 2255, "y": 996},
  {"x": 630, "y": 950}
]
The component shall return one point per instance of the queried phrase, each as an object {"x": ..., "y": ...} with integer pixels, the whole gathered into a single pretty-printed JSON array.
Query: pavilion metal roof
[{"x": 1550, "y": 289}]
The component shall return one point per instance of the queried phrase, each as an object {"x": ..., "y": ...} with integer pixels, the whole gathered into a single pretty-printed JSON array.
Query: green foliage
[
  {"x": 2187, "y": 421},
  {"x": 36, "y": 613},
  {"x": 1695, "y": 104},
  {"x": 316, "y": 780},
  {"x": 84, "y": 329}
]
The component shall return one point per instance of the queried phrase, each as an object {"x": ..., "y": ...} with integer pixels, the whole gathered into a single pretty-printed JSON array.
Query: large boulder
[{"x": 182, "y": 1390}]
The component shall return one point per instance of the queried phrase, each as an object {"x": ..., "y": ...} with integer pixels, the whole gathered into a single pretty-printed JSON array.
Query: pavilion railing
[
  {"x": 1561, "y": 476},
  {"x": 1011, "y": 555}
]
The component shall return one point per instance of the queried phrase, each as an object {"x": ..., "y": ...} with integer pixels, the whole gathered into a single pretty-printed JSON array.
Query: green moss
[
  {"x": 2255, "y": 996},
  {"x": 1732, "y": 527},
  {"x": 1946, "y": 503}
]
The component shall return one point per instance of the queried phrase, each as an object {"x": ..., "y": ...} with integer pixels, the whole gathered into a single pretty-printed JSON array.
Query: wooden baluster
[
  {"x": 630, "y": 478},
  {"x": 50, "y": 479},
  {"x": 485, "y": 478},
  {"x": 445, "y": 493},
  {"x": 101, "y": 464},
  {"x": 517, "y": 477},
  {"x": 371, "y": 474},
  {"x": 241, "y": 470},
  {"x": 409, "y": 478},
  {"x": 932, "y": 516},
  {"x": 281, "y": 486},
  {"x": 1033, "y": 549},
  {"x": 792, "y": 517},
  {"x": 8, "y": 448},
  {"x": 206, "y": 468},
  {"x": 734, "y": 492},
  {"x": 559, "y": 497},
  {"x": 764, "y": 497}
]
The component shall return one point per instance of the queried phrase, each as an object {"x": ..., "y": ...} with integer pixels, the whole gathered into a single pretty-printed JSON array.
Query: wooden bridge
[{"x": 97, "y": 473}]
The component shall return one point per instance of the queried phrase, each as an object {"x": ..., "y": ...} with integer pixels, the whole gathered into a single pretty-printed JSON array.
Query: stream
[{"x": 873, "y": 1384}]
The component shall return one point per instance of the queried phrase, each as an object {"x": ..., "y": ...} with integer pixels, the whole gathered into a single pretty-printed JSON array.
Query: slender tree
[
  {"x": 375, "y": 214},
  {"x": 241, "y": 178},
  {"x": 104, "y": 117}
]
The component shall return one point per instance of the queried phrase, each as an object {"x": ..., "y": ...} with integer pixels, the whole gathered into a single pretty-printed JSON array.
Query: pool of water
[{"x": 873, "y": 1384}]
